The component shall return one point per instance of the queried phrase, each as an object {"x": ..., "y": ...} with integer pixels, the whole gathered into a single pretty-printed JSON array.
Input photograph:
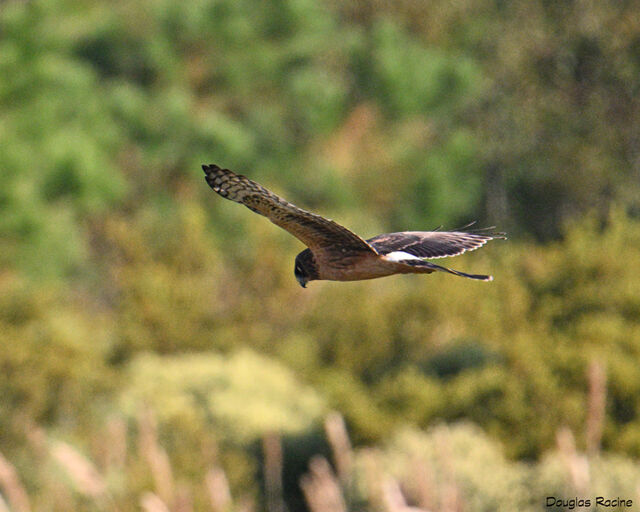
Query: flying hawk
[{"x": 337, "y": 254}]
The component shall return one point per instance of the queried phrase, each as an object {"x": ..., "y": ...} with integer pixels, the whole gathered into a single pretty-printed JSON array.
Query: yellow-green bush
[
  {"x": 239, "y": 397},
  {"x": 54, "y": 351}
]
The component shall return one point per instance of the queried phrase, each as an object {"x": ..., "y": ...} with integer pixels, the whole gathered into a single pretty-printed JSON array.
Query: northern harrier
[{"x": 335, "y": 253}]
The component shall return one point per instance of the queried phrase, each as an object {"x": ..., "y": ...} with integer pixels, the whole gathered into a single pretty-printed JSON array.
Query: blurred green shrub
[
  {"x": 54, "y": 350},
  {"x": 413, "y": 79},
  {"x": 239, "y": 397}
]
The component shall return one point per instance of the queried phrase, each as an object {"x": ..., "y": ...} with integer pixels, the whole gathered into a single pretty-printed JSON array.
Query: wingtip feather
[{"x": 209, "y": 168}]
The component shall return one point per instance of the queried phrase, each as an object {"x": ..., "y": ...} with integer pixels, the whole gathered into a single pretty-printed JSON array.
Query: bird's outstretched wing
[
  {"x": 327, "y": 239},
  {"x": 432, "y": 244}
]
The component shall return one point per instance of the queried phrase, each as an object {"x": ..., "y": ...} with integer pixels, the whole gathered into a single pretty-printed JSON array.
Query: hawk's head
[{"x": 305, "y": 268}]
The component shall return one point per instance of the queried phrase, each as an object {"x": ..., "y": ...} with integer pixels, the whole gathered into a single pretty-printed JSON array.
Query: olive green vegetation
[{"x": 127, "y": 285}]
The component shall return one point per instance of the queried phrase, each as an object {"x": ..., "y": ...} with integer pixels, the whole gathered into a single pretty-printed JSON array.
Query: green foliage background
[{"x": 126, "y": 283}]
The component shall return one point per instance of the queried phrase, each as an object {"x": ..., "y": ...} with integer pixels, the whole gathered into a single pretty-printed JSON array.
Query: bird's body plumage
[{"x": 336, "y": 253}]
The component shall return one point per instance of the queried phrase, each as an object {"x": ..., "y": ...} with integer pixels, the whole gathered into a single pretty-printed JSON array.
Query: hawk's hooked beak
[{"x": 302, "y": 281}]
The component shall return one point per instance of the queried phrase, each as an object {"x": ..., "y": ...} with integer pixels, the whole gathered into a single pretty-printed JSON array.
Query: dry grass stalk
[
  {"x": 596, "y": 408},
  {"x": 451, "y": 498},
  {"x": 420, "y": 484},
  {"x": 373, "y": 477},
  {"x": 218, "y": 489},
  {"x": 321, "y": 488},
  {"x": 3, "y": 505},
  {"x": 116, "y": 455},
  {"x": 336, "y": 431},
  {"x": 245, "y": 505},
  {"x": 576, "y": 464},
  {"x": 156, "y": 457},
  {"x": 85, "y": 477},
  {"x": 184, "y": 500},
  {"x": 151, "y": 502},
  {"x": 273, "y": 464},
  {"x": 12, "y": 487},
  {"x": 392, "y": 497},
  {"x": 37, "y": 438},
  {"x": 450, "y": 495},
  {"x": 394, "y": 500}
]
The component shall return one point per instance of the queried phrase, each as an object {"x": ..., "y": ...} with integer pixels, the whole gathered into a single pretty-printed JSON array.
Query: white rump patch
[{"x": 400, "y": 256}]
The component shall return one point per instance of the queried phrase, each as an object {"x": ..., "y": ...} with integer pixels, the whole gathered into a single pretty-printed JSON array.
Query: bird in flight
[{"x": 334, "y": 253}]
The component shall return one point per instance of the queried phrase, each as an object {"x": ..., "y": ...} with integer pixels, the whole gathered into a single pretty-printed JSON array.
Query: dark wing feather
[
  {"x": 327, "y": 239},
  {"x": 431, "y": 244}
]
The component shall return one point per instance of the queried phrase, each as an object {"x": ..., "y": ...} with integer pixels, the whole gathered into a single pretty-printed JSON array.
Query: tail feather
[{"x": 432, "y": 266}]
